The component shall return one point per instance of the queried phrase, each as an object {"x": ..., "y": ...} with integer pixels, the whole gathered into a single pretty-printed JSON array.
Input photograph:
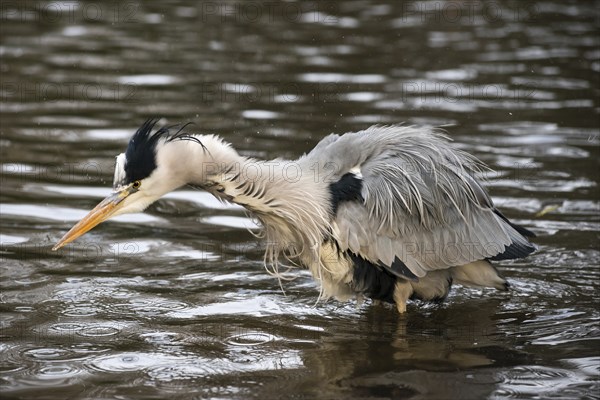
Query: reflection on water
[{"x": 175, "y": 301}]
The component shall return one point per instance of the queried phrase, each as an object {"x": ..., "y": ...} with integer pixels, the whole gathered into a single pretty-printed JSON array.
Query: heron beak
[{"x": 100, "y": 213}]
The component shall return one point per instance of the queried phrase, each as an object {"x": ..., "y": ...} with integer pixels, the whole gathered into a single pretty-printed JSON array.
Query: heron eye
[{"x": 136, "y": 184}]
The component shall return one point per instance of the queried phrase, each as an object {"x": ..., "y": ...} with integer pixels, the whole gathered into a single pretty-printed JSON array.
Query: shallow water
[{"x": 175, "y": 302}]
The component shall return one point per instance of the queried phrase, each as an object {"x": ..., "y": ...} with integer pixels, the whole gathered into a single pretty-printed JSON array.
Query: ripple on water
[
  {"x": 11, "y": 361},
  {"x": 33, "y": 279},
  {"x": 148, "y": 79},
  {"x": 523, "y": 287},
  {"x": 174, "y": 372},
  {"x": 194, "y": 368},
  {"x": 80, "y": 310},
  {"x": 133, "y": 361},
  {"x": 560, "y": 332},
  {"x": 69, "y": 327},
  {"x": 7, "y": 240},
  {"x": 162, "y": 338},
  {"x": 63, "y": 214},
  {"x": 588, "y": 365},
  {"x": 99, "y": 331},
  {"x": 151, "y": 306},
  {"x": 341, "y": 78},
  {"x": 250, "y": 339},
  {"x": 51, "y": 375},
  {"x": 541, "y": 382},
  {"x": 257, "y": 306},
  {"x": 260, "y": 114},
  {"x": 41, "y": 366},
  {"x": 92, "y": 292},
  {"x": 49, "y": 354},
  {"x": 90, "y": 329}
]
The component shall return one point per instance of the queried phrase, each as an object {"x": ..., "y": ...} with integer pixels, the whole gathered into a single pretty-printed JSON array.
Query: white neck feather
[{"x": 291, "y": 202}]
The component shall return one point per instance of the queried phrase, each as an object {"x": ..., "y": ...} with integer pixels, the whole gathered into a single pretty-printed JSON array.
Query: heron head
[{"x": 145, "y": 172}]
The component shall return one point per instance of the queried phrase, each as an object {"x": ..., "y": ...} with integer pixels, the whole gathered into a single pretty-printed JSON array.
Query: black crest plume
[{"x": 140, "y": 155}]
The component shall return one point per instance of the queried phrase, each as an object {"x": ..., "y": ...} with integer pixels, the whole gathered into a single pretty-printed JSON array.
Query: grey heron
[{"x": 391, "y": 212}]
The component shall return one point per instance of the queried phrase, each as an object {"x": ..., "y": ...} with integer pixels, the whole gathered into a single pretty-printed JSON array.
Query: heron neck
[
  {"x": 291, "y": 204},
  {"x": 287, "y": 196}
]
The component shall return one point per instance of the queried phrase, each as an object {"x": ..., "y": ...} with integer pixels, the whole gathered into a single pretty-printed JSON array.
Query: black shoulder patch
[{"x": 348, "y": 188}]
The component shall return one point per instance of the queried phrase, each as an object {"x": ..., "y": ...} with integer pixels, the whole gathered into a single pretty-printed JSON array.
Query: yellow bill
[{"x": 100, "y": 213}]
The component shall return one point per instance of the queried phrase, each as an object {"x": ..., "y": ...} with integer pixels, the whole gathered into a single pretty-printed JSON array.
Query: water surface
[{"x": 175, "y": 302}]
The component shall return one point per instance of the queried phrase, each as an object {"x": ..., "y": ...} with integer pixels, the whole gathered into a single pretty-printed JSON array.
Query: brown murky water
[{"x": 175, "y": 303}]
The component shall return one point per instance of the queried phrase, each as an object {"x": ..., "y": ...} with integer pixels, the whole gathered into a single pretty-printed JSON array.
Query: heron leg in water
[{"x": 402, "y": 293}]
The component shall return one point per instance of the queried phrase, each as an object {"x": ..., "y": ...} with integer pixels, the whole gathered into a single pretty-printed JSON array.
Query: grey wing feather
[
  {"x": 421, "y": 204},
  {"x": 323, "y": 143}
]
